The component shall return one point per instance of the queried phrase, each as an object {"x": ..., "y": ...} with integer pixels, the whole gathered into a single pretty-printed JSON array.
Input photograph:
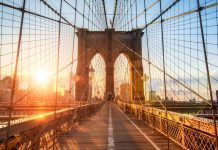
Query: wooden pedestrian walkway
[{"x": 111, "y": 129}]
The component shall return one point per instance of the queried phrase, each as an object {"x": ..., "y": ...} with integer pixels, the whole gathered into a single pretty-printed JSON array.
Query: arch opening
[
  {"x": 122, "y": 84},
  {"x": 97, "y": 77}
]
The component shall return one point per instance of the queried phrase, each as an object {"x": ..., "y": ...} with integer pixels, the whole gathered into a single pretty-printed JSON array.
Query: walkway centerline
[{"x": 110, "y": 131}]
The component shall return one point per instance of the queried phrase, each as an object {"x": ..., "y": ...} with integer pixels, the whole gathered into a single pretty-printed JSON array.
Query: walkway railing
[
  {"x": 38, "y": 132},
  {"x": 188, "y": 131}
]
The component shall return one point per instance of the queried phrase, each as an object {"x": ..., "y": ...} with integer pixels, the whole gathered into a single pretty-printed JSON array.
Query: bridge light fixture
[{"x": 91, "y": 72}]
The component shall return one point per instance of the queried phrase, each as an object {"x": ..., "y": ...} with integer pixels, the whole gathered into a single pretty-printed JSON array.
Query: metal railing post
[{"x": 183, "y": 136}]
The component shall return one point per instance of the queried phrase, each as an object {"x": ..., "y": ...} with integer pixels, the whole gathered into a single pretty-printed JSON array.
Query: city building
[
  {"x": 152, "y": 95},
  {"x": 6, "y": 89},
  {"x": 125, "y": 92}
]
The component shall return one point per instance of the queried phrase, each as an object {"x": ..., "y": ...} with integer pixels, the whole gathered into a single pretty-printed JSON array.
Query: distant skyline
[{"x": 182, "y": 40}]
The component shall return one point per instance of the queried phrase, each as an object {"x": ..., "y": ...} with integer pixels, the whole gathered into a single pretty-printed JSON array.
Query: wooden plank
[{"x": 97, "y": 133}]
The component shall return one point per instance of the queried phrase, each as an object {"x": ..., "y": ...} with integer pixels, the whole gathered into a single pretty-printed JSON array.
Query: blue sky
[{"x": 182, "y": 40}]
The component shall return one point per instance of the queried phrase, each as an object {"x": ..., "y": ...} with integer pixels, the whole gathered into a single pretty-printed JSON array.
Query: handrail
[
  {"x": 187, "y": 131},
  {"x": 199, "y": 123},
  {"x": 44, "y": 123}
]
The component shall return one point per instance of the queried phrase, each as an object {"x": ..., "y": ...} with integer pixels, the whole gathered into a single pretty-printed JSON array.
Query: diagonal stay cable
[
  {"x": 105, "y": 14},
  {"x": 140, "y": 14},
  {"x": 35, "y": 87},
  {"x": 163, "y": 12},
  {"x": 39, "y": 15},
  {"x": 80, "y": 13},
  {"x": 115, "y": 12},
  {"x": 184, "y": 85},
  {"x": 93, "y": 13},
  {"x": 148, "y": 86}
]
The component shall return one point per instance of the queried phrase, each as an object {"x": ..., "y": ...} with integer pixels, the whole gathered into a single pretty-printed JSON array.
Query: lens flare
[{"x": 42, "y": 76}]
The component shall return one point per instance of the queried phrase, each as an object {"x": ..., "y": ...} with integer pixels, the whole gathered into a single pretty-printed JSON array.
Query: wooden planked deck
[{"x": 111, "y": 129}]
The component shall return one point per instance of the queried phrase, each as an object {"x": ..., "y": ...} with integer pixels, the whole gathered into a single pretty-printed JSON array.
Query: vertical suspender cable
[
  {"x": 149, "y": 64},
  {"x": 131, "y": 13},
  {"x": 1, "y": 23},
  {"x": 115, "y": 12},
  {"x": 96, "y": 12},
  {"x": 208, "y": 71},
  {"x": 105, "y": 15},
  {"x": 57, "y": 71},
  {"x": 71, "y": 69},
  {"x": 84, "y": 6},
  {"x": 125, "y": 21},
  {"x": 88, "y": 14},
  {"x": 136, "y": 13},
  {"x": 127, "y": 13},
  {"x": 164, "y": 73},
  {"x": 15, "y": 73},
  {"x": 92, "y": 28}
]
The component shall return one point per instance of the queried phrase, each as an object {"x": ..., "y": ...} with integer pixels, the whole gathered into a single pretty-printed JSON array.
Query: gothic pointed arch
[{"x": 110, "y": 44}]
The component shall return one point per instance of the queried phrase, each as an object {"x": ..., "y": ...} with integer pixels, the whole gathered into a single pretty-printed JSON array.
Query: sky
[{"x": 184, "y": 53}]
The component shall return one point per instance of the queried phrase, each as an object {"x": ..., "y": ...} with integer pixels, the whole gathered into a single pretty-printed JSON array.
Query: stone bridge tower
[{"x": 106, "y": 44}]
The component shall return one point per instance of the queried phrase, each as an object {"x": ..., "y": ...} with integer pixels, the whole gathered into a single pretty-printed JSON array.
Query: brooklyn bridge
[{"x": 102, "y": 74}]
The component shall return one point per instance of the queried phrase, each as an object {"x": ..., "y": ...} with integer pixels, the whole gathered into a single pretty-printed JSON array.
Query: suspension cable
[
  {"x": 15, "y": 75},
  {"x": 105, "y": 14},
  {"x": 208, "y": 71},
  {"x": 185, "y": 86},
  {"x": 115, "y": 13}
]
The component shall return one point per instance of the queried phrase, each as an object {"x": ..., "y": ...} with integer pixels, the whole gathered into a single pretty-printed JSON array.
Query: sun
[{"x": 42, "y": 76}]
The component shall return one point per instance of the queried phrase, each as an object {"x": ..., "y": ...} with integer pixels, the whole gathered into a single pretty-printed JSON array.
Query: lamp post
[
  {"x": 73, "y": 79},
  {"x": 91, "y": 76},
  {"x": 145, "y": 78}
]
